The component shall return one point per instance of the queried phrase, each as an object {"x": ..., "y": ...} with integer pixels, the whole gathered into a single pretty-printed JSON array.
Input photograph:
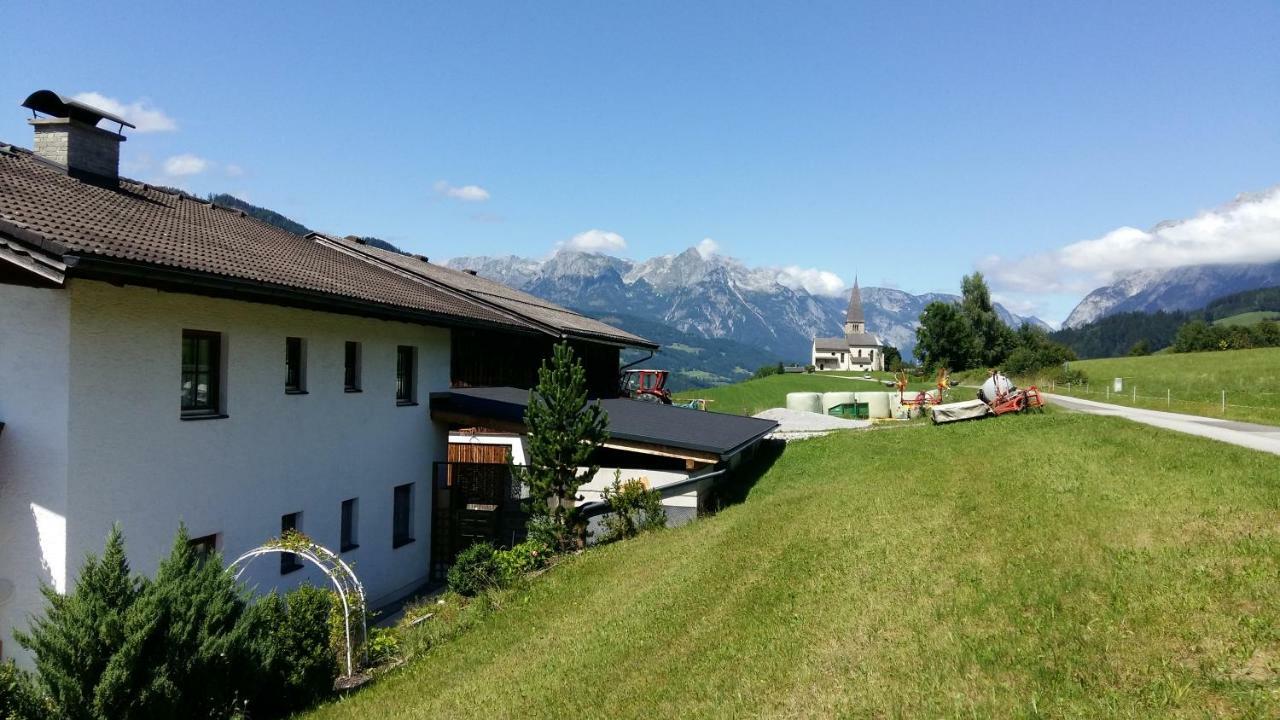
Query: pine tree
[
  {"x": 184, "y": 652},
  {"x": 74, "y": 641},
  {"x": 564, "y": 429}
]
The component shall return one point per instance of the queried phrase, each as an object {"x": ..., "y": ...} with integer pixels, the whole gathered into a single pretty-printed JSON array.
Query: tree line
[
  {"x": 971, "y": 335},
  {"x": 1141, "y": 333}
]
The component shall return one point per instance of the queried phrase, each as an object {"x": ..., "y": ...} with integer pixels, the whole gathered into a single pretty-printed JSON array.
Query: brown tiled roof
[
  {"x": 524, "y": 305},
  {"x": 44, "y": 209}
]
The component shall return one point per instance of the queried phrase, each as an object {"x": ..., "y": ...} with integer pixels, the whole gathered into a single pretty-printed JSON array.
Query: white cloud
[
  {"x": 184, "y": 165},
  {"x": 233, "y": 170},
  {"x": 816, "y": 282},
  {"x": 1245, "y": 230},
  {"x": 139, "y": 112},
  {"x": 465, "y": 193},
  {"x": 596, "y": 241},
  {"x": 707, "y": 247}
]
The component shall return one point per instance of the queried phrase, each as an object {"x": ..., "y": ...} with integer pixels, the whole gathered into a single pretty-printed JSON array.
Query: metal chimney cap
[{"x": 52, "y": 104}]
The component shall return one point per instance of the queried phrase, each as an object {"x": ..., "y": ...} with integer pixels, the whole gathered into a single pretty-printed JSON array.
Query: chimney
[{"x": 69, "y": 135}]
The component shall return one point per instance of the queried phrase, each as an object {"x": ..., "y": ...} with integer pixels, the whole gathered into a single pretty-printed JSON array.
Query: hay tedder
[{"x": 923, "y": 399}]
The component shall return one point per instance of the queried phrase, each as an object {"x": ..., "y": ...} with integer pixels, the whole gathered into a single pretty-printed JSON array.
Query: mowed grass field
[
  {"x": 1191, "y": 383},
  {"x": 1041, "y": 566},
  {"x": 1249, "y": 318},
  {"x": 751, "y": 396}
]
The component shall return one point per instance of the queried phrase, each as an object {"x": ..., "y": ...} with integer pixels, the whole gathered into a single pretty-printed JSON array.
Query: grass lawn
[
  {"x": 1194, "y": 383},
  {"x": 1249, "y": 318},
  {"x": 1043, "y": 566},
  {"x": 752, "y": 396}
]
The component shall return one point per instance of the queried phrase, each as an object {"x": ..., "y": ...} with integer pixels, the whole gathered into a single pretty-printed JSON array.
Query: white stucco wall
[
  {"x": 118, "y": 450},
  {"x": 134, "y": 460},
  {"x": 34, "y": 346}
]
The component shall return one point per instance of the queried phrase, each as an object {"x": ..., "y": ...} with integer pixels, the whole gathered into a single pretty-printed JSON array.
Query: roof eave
[{"x": 173, "y": 279}]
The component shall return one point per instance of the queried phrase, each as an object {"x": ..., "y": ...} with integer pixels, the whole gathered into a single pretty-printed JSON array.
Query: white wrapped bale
[
  {"x": 877, "y": 403},
  {"x": 832, "y": 399},
  {"x": 805, "y": 402}
]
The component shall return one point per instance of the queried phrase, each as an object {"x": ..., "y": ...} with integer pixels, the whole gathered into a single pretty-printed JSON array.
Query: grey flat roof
[{"x": 629, "y": 420}]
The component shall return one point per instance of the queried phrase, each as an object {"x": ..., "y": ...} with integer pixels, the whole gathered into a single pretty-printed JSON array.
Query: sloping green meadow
[
  {"x": 1051, "y": 565},
  {"x": 1191, "y": 383}
]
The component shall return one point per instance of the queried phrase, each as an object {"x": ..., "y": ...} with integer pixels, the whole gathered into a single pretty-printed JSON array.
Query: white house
[
  {"x": 165, "y": 360},
  {"x": 857, "y": 349}
]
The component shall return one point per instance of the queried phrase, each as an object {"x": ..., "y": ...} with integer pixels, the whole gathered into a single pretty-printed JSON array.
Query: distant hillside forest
[
  {"x": 271, "y": 217},
  {"x": 693, "y": 361},
  {"x": 1141, "y": 333}
]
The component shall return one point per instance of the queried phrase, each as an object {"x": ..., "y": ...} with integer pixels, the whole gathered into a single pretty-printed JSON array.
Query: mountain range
[
  {"x": 711, "y": 297},
  {"x": 1189, "y": 287}
]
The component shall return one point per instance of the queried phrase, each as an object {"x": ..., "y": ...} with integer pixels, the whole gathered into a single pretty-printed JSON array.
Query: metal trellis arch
[{"x": 345, "y": 583}]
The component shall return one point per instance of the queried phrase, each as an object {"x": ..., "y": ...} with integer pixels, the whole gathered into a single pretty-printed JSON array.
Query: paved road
[{"x": 1258, "y": 437}]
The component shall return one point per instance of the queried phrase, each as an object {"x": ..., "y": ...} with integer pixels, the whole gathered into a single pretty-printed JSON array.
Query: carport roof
[{"x": 633, "y": 425}]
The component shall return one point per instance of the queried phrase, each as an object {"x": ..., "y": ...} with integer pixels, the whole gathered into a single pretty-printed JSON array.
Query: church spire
[{"x": 855, "y": 305}]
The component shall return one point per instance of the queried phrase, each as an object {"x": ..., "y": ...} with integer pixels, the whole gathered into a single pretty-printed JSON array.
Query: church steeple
[{"x": 854, "y": 321}]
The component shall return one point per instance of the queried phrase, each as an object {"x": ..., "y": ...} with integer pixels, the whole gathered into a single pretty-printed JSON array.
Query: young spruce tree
[
  {"x": 76, "y": 638},
  {"x": 564, "y": 429},
  {"x": 185, "y": 652}
]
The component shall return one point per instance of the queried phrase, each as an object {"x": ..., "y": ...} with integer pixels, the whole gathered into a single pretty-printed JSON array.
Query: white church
[{"x": 857, "y": 349}]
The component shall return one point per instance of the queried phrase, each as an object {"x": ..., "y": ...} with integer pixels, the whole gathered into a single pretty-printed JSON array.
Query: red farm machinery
[{"x": 646, "y": 386}]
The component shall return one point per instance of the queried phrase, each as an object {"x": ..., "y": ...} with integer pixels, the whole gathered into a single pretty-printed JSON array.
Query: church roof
[
  {"x": 847, "y": 341},
  {"x": 855, "y": 305}
]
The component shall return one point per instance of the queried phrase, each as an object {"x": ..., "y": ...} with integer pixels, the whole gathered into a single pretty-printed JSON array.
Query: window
[
  {"x": 351, "y": 368},
  {"x": 350, "y": 524},
  {"x": 402, "y": 516},
  {"x": 295, "y": 369},
  {"x": 205, "y": 545},
  {"x": 405, "y": 366},
  {"x": 288, "y": 561},
  {"x": 201, "y": 373}
]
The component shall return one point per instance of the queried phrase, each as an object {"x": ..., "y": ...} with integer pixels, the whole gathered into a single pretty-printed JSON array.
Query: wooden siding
[
  {"x": 479, "y": 453},
  {"x": 495, "y": 359}
]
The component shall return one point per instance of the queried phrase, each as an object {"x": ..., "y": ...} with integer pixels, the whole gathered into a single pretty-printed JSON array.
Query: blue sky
[{"x": 909, "y": 143}]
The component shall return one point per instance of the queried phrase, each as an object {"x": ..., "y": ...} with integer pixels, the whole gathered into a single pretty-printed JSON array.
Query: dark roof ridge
[{"x": 390, "y": 267}]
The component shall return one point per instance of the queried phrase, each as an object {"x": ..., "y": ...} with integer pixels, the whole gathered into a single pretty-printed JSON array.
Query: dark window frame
[
  {"x": 205, "y": 544},
  {"x": 351, "y": 370},
  {"x": 289, "y": 562},
  {"x": 406, "y": 374},
  {"x": 350, "y": 525},
  {"x": 402, "y": 515},
  {"x": 295, "y": 366},
  {"x": 210, "y": 371}
]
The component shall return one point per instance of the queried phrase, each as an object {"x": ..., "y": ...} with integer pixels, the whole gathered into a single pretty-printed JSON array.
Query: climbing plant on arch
[{"x": 345, "y": 583}]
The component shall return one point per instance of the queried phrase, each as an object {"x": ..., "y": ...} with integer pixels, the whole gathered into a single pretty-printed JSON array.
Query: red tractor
[{"x": 646, "y": 386}]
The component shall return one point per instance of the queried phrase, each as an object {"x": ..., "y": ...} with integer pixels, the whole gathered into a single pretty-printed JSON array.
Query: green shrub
[
  {"x": 765, "y": 371},
  {"x": 81, "y": 631},
  {"x": 383, "y": 645},
  {"x": 18, "y": 696},
  {"x": 185, "y": 651},
  {"x": 292, "y": 651},
  {"x": 634, "y": 508},
  {"x": 475, "y": 570},
  {"x": 524, "y": 558}
]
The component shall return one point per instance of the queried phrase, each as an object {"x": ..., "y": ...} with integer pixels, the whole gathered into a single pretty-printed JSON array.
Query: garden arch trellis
[{"x": 345, "y": 583}]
